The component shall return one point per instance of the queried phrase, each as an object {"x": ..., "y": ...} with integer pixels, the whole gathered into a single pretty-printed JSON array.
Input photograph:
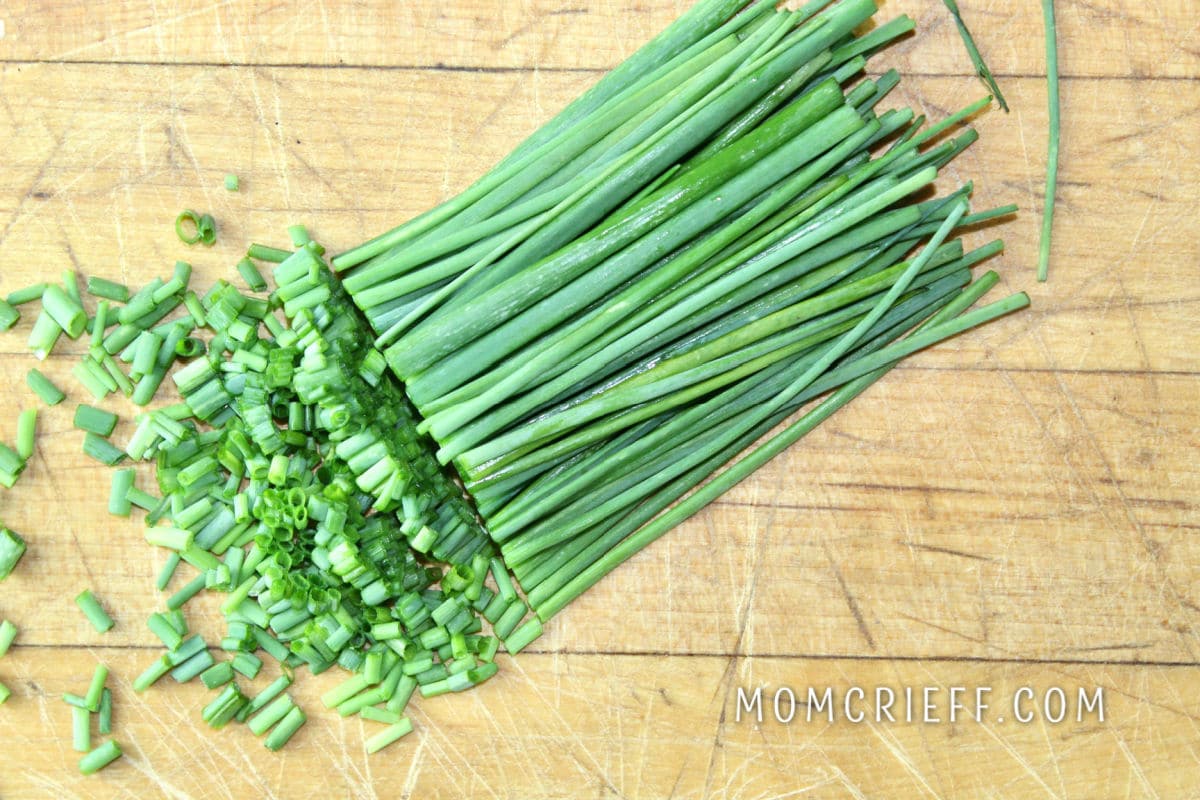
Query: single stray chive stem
[
  {"x": 8, "y": 632},
  {"x": 1052, "y": 154},
  {"x": 100, "y": 758},
  {"x": 981, "y": 68},
  {"x": 50, "y": 394}
]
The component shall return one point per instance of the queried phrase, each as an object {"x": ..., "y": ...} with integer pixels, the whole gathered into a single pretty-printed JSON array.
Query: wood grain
[{"x": 1017, "y": 507}]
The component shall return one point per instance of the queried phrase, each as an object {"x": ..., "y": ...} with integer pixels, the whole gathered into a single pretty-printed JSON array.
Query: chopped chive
[
  {"x": 92, "y": 609},
  {"x": 164, "y": 630},
  {"x": 206, "y": 228},
  {"x": 218, "y": 674},
  {"x": 27, "y": 294},
  {"x": 247, "y": 664},
  {"x": 8, "y": 316},
  {"x": 225, "y": 707},
  {"x": 160, "y": 667},
  {"x": 106, "y": 289},
  {"x": 193, "y": 666},
  {"x": 389, "y": 735},
  {"x": 96, "y": 688},
  {"x": 81, "y": 729},
  {"x": 286, "y": 729},
  {"x": 75, "y": 701},
  {"x": 100, "y": 323},
  {"x": 5, "y": 693},
  {"x": 44, "y": 335},
  {"x": 100, "y": 758},
  {"x": 189, "y": 347},
  {"x": 270, "y": 714},
  {"x": 523, "y": 636},
  {"x": 231, "y": 182},
  {"x": 64, "y": 310},
  {"x": 104, "y": 725},
  {"x": 26, "y": 433},
  {"x": 1052, "y": 101},
  {"x": 102, "y": 450},
  {"x": 250, "y": 274},
  {"x": 96, "y": 420},
  {"x": 187, "y": 592},
  {"x": 118, "y": 494},
  {"x": 12, "y": 547},
  {"x": 262, "y": 252},
  {"x": 273, "y": 690},
  {"x": 71, "y": 287},
  {"x": 187, "y": 226},
  {"x": 8, "y": 632}
]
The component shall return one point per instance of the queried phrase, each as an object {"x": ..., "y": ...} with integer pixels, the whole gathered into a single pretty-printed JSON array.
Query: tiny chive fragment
[
  {"x": 1052, "y": 139},
  {"x": 8, "y": 316},
  {"x": 8, "y": 632},
  {"x": 231, "y": 182},
  {"x": 92, "y": 609}
]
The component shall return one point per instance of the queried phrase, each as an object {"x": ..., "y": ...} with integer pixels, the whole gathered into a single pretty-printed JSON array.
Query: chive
[
  {"x": 187, "y": 592},
  {"x": 225, "y": 707},
  {"x": 81, "y": 729},
  {"x": 217, "y": 675},
  {"x": 100, "y": 758},
  {"x": 142, "y": 499},
  {"x": 251, "y": 275},
  {"x": 118, "y": 495},
  {"x": 286, "y": 729},
  {"x": 168, "y": 571},
  {"x": 44, "y": 335},
  {"x": 8, "y": 632},
  {"x": 27, "y": 294},
  {"x": 189, "y": 347},
  {"x": 981, "y": 68},
  {"x": 92, "y": 609},
  {"x": 12, "y": 547},
  {"x": 193, "y": 666},
  {"x": 102, "y": 450},
  {"x": 247, "y": 664},
  {"x": 1053, "y": 139},
  {"x": 231, "y": 182},
  {"x": 65, "y": 310},
  {"x": 523, "y": 636},
  {"x": 206, "y": 229},
  {"x": 262, "y": 252},
  {"x": 104, "y": 725},
  {"x": 389, "y": 735},
  {"x": 106, "y": 289},
  {"x": 160, "y": 667},
  {"x": 96, "y": 688},
  {"x": 273, "y": 690},
  {"x": 270, "y": 714},
  {"x": 75, "y": 701},
  {"x": 8, "y": 316},
  {"x": 187, "y": 226},
  {"x": 99, "y": 324},
  {"x": 5, "y": 693},
  {"x": 26, "y": 433},
  {"x": 95, "y": 420}
]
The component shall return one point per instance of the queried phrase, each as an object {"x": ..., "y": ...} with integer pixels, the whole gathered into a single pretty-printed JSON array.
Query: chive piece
[
  {"x": 186, "y": 220},
  {"x": 523, "y": 636},
  {"x": 50, "y": 394},
  {"x": 187, "y": 592},
  {"x": 270, "y": 714},
  {"x": 75, "y": 701},
  {"x": 227, "y": 705},
  {"x": 81, "y": 729},
  {"x": 27, "y": 294},
  {"x": 217, "y": 675},
  {"x": 189, "y": 347},
  {"x": 286, "y": 729},
  {"x": 250, "y": 274},
  {"x": 5, "y": 693},
  {"x": 92, "y": 609},
  {"x": 299, "y": 235},
  {"x": 105, "y": 719},
  {"x": 100, "y": 758},
  {"x": 262, "y": 252},
  {"x": 8, "y": 632},
  {"x": 26, "y": 433},
  {"x": 1052, "y": 139},
  {"x": 381, "y": 715},
  {"x": 108, "y": 290},
  {"x": 8, "y": 316},
  {"x": 161, "y": 666},
  {"x": 96, "y": 420},
  {"x": 118, "y": 494},
  {"x": 167, "y": 572},
  {"x": 66, "y": 311},
  {"x": 231, "y": 182},
  {"x": 193, "y": 666},
  {"x": 388, "y": 735},
  {"x": 247, "y": 664},
  {"x": 981, "y": 69},
  {"x": 206, "y": 227},
  {"x": 102, "y": 450},
  {"x": 100, "y": 324},
  {"x": 345, "y": 690},
  {"x": 161, "y": 627},
  {"x": 44, "y": 335},
  {"x": 12, "y": 547},
  {"x": 273, "y": 690},
  {"x": 96, "y": 688}
]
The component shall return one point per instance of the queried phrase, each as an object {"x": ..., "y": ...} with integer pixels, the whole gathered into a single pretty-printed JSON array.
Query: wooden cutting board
[{"x": 1014, "y": 509}]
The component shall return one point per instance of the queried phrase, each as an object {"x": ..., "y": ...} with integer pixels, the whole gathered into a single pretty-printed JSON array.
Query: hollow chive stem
[
  {"x": 107, "y": 290},
  {"x": 96, "y": 688},
  {"x": 26, "y": 294},
  {"x": 81, "y": 729},
  {"x": 94, "y": 612},
  {"x": 1052, "y": 101},
  {"x": 388, "y": 735},
  {"x": 8, "y": 632},
  {"x": 65, "y": 310},
  {"x": 26, "y": 433},
  {"x": 981, "y": 68},
  {"x": 50, "y": 394},
  {"x": 232, "y": 183},
  {"x": 104, "y": 718},
  {"x": 8, "y": 315},
  {"x": 95, "y": 420}
]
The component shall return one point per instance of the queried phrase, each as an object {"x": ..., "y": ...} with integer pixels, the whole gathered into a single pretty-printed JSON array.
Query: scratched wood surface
[{"x": 1014, "y": 509}]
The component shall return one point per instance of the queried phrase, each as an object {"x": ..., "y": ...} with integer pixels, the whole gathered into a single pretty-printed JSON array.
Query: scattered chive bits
[{"x": 94, "y": 612}]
